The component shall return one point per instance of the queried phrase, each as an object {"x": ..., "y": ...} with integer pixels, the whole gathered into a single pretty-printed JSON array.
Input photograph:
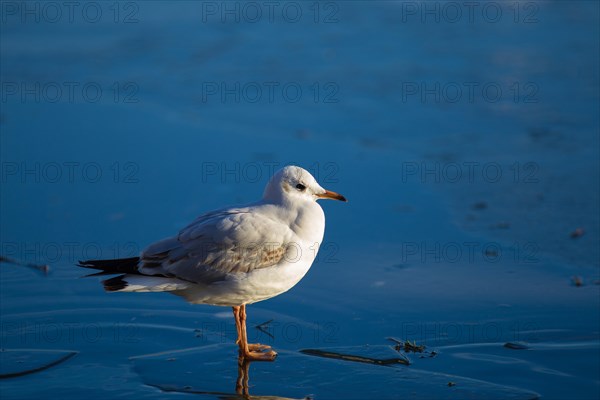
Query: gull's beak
[{"x": 331, "y": 195}]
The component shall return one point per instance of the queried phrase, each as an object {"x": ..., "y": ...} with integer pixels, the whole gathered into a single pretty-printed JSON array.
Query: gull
[{"x": 234, "y": 256}]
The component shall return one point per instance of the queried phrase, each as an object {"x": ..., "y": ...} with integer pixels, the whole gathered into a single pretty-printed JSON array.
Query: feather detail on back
[{"x": 217, "y": 245}]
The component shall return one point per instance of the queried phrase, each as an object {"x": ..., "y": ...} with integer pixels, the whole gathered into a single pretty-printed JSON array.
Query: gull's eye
[{"x": 301, "y": 187}]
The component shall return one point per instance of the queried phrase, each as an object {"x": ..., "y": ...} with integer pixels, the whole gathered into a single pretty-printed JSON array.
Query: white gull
[{"x": 234, "y": 256}]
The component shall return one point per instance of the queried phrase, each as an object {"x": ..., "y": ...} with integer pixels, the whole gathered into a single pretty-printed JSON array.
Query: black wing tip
[
  {"x": 115, "y": 284},
  {"x": 119, "y": 265}
]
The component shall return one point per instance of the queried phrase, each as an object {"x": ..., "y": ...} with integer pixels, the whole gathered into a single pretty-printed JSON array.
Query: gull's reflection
[{"x": 241, "y": 385}]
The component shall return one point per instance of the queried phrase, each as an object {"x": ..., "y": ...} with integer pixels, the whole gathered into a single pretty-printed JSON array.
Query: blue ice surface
[{"x": 186, "y": 123}]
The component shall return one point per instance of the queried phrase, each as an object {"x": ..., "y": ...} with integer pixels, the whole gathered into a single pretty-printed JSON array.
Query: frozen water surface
[{"x": 468, "y": 151}]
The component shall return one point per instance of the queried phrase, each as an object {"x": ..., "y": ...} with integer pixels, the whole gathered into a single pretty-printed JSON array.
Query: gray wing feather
[{"x": 217, "y": 245}]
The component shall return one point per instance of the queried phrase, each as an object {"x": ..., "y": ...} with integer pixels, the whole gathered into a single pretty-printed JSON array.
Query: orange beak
[{"x": 331, "y": 195}]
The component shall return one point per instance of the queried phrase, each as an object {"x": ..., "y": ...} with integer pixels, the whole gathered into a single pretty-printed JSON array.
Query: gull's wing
[{"x": 217, "y": 245}]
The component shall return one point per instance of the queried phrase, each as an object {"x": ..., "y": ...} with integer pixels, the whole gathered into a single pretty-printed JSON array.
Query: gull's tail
[
  {"x": 114, "y": 266},
  {"x": 130, "y": 278}
]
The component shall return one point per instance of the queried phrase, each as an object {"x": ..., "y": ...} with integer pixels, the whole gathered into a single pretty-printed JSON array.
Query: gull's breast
[{"x": 308, "y": 227}]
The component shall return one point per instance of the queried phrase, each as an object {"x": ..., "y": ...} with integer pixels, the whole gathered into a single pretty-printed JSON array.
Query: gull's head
[{"x": 296, "y": 184}]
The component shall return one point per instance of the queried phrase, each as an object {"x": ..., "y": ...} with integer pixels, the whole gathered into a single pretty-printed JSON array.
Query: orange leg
[
  {"x": 252, "y": 351},
  {"x": 236, "y": 315}
]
